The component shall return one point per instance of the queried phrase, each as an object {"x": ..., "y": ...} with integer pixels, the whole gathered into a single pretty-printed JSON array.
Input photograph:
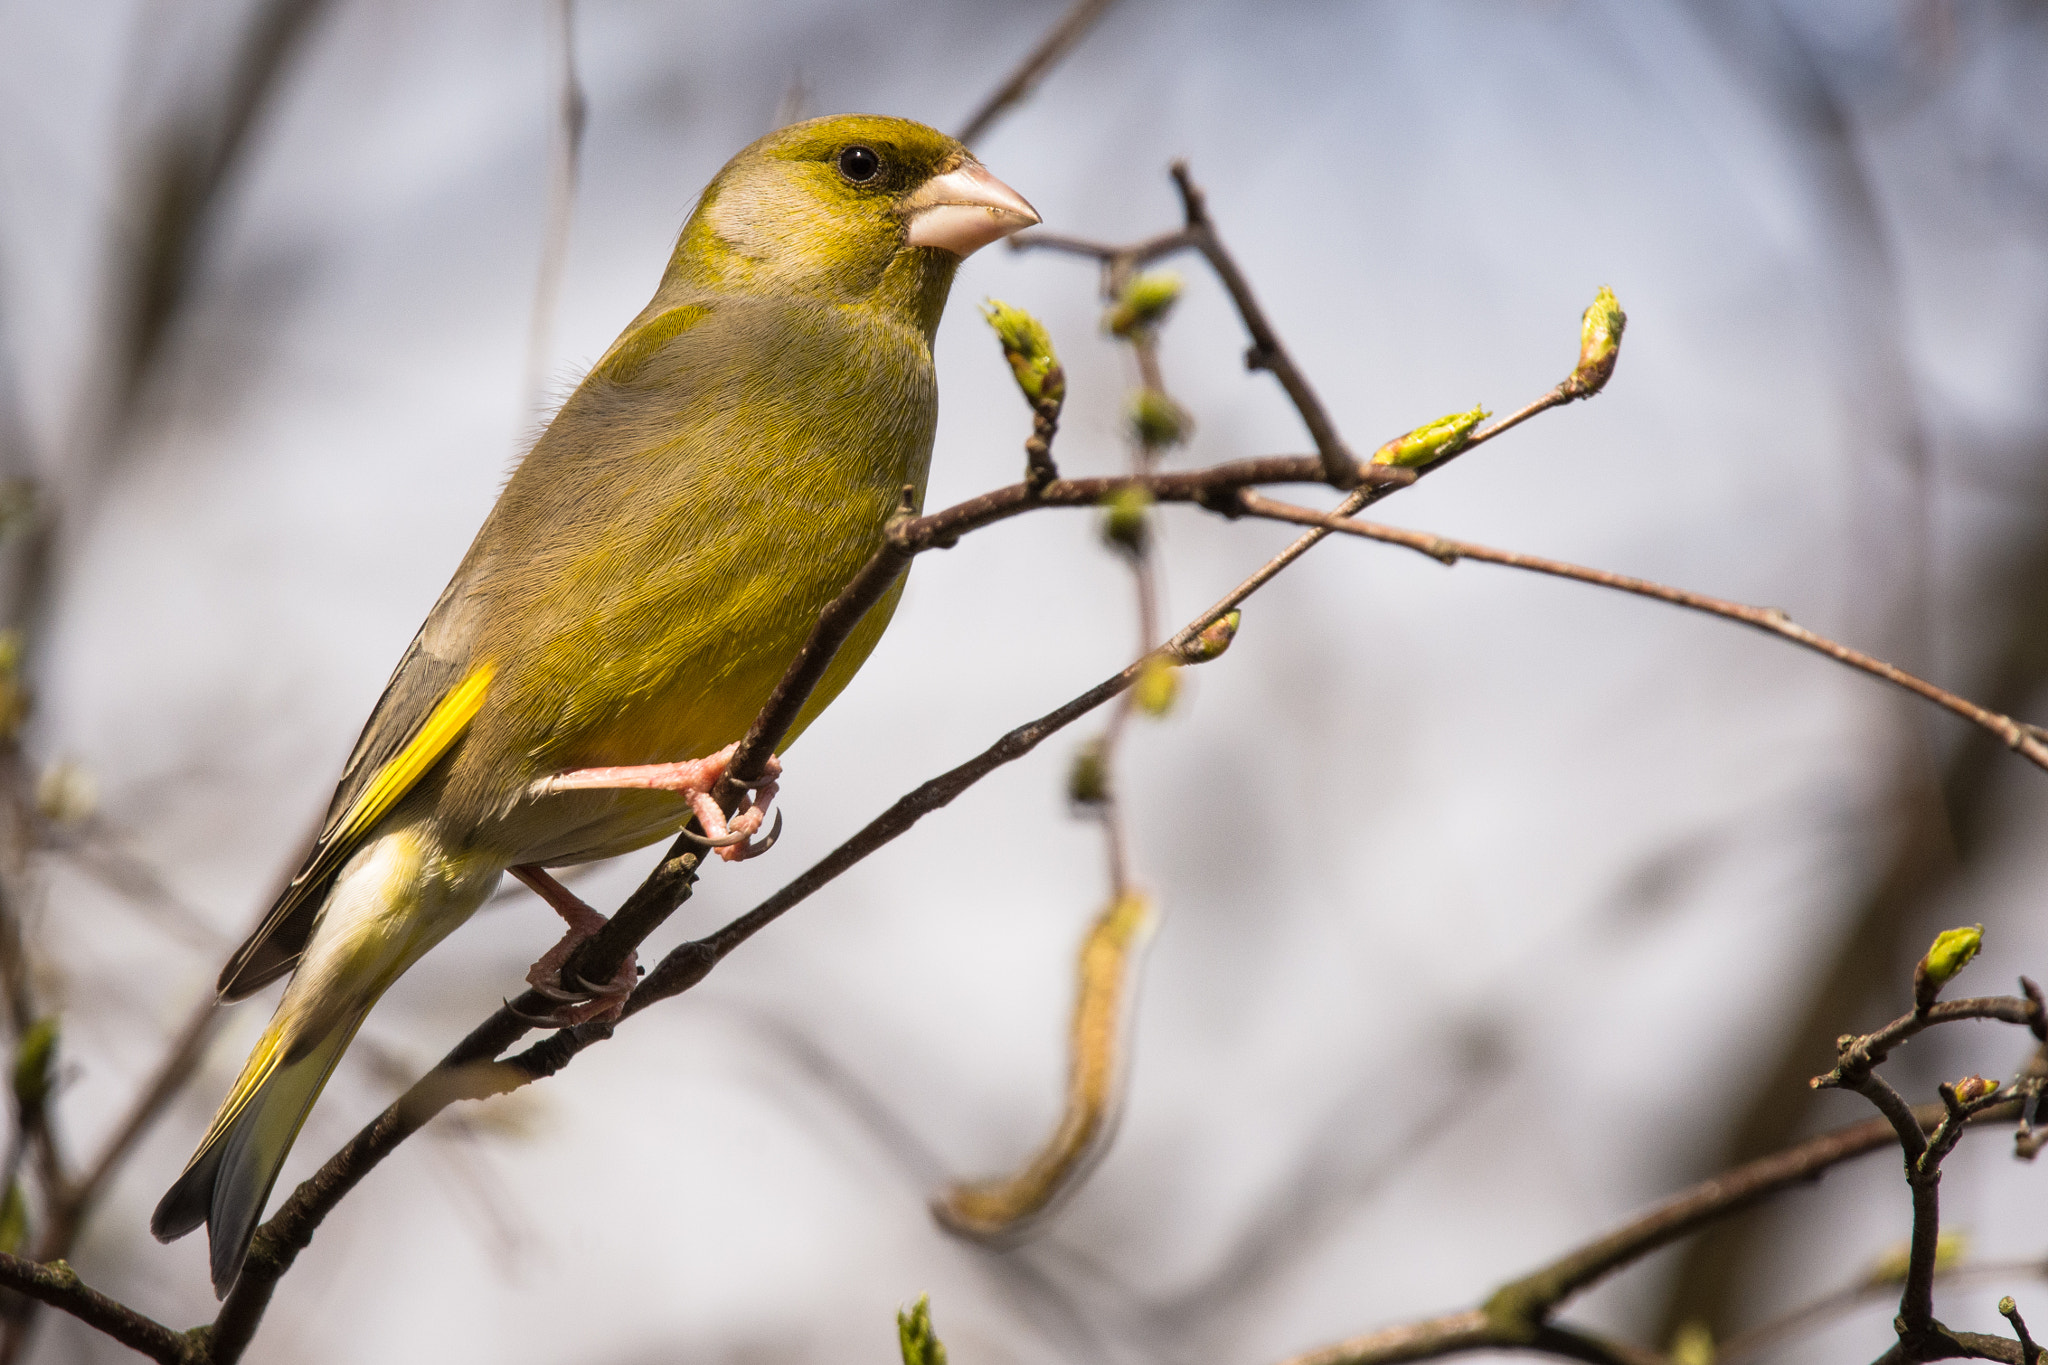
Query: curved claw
[
  {"x": 593, "y": 992},
  {"x": 561, "y": 996},
  {"x": 537, "y": 1020},
  {"x": 706, "y": 841},
  {"x": 768, "y": 839}
]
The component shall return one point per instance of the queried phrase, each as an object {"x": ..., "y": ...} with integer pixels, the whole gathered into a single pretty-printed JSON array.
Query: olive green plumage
[{"x": 641, "y": 584}]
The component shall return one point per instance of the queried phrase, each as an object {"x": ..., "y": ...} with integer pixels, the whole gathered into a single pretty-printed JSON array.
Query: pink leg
[
  {"x": 694, "y": 778},
  {"x": 545, "y": 976}
]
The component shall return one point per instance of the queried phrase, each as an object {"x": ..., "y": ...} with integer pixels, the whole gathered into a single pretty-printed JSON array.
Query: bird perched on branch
[{"x": 647, "y": 575}]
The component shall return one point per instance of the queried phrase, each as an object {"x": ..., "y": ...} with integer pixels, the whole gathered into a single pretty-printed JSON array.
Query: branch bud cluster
[
  {"x": 1028, "y": 347},
  {"x": 1952, "y": 951}
]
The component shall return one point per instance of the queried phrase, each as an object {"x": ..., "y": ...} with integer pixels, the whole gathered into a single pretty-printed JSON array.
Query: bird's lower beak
[{"x": 964, "y": 210}]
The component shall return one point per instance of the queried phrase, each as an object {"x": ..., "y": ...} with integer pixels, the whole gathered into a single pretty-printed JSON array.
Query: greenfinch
[{"x": 646, "y": 576}]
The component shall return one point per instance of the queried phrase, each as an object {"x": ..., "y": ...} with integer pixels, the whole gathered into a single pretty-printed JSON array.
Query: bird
[{"x": 648, "y": 572}]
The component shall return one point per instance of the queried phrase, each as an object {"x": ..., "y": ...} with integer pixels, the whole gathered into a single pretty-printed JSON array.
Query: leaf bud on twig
[
  {"x": 1028, "y": 348},
  {"x": 1950, "y": 1249},
  {"x": 66, "y": 793},
  {"x": 1157, "y": 421},
  {"x": 1156, "y": 687},
  {"x": 1143, "y": 305},
  {"x": 34, "y": 1057},
  {"x": 13, "y": 1221},
  {"x": 921, "y": 1345},
  {"x": 1692, "y": 1344},
  {"x": 1971, "y": 1088},
  {"x": 14, "y": 693},
  {"x": 1125, "y": 522},
  {"x": 1429, "y": 443},
  {"x": 1952, "y": 951},
  {"x": 1088, "y": 779},
  {"x": 1214, "y": 639},
  {"x": 1599, "y": 345}
]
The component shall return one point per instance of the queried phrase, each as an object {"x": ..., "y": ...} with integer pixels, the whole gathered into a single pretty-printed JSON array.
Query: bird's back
[{"x": 662, "y": 553}]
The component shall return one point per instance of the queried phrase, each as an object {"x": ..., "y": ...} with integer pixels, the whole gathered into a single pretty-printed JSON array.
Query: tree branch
[
  {"x": 58, "y": 1285},
  {"x": 2024, "y": 739},
  {"x": 1058, "y": 41}
]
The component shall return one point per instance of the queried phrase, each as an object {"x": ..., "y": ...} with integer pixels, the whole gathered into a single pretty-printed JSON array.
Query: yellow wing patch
[
  {"x": 249, "y": 969},
  {"x": 420, "y": 753}
]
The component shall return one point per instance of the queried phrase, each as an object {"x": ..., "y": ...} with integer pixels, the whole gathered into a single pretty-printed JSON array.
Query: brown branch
[
  {"x": 1266, "y": 352},
  {"x": 1515, "y": 1316},
  {"x": 1058, "y": 41},
  {"x": 57, "y": 1284},
  {"x": 77, "y": 1199},
  {"x": 572, "y": 111},
  {"x": 1756, "y": 1341},
  {"x": 2016, "y": 735}
]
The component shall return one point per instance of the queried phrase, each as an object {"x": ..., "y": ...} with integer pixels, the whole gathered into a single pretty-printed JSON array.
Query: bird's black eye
[{"x": 859, "y": 164}]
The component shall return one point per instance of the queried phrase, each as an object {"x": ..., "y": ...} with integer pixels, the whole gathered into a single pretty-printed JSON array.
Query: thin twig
[
  {"x": 71, "y": 1210},
  {"x": 1058, "y": 41},
  {"x": 572, "y": 113},
  {"x": 2016, "y": 735},
  {"x": 58, "y": 1285}
]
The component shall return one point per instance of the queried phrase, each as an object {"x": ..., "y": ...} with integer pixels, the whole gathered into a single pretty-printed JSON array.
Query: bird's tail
[{"x": 230, "y": 1176}]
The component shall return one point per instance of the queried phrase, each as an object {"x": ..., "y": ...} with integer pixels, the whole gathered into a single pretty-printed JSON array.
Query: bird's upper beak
[{"x": 964, "y": 210}]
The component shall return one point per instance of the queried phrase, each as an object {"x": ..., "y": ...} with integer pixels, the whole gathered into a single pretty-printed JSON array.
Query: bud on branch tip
[
  {"x": 1124, "y": 520},
  {"x": 1143, "y": 305},
  {"x": 1156, "y": 687},
  {"x": 1599, "y": 345},
  {"x": 1028, "y": 348},
  {"x": 1951, "y": 952},
  {"x": 1427, "y": 444},
  {"x": 921, "y": 1345}
]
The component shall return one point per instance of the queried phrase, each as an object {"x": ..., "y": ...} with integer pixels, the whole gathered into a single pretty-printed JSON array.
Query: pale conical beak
[{"x": 964, "y": 210}]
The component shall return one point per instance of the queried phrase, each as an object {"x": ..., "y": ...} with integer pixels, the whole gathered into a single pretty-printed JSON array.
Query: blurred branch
[
  {"x": 2024, "y": 739},
  {"x": 1516, "y": 1316},
  {"x": 1058, "y": 41},
  {"x": 1754, "y": 1343},
  {"x": 58, "y": 1285},
  {"x": 572, "y": 113}
]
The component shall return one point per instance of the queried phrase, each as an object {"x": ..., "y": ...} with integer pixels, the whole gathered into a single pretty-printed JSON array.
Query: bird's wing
[{"x": 426, "y": 706}]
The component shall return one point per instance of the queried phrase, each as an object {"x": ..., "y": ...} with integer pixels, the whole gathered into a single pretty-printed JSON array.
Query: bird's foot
[
  {"x": 576, "y": 1001},
  {"x": 696, "y": 779}
]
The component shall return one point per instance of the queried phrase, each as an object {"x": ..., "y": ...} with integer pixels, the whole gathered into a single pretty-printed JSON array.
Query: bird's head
[{"x": 854, "y": 206}]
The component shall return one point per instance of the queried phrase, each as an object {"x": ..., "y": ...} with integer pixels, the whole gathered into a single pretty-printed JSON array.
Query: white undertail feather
[{"x": 398, "y": 897}]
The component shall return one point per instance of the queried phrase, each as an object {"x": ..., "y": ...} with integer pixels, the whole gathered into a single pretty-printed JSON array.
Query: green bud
[
  {"x": 1214, "y": 639},
  {"x": 17, "y": 504},
  {"x": 1157, "y": 421},
  {"x": 1028, "y": 348},
  {"x": 1124, "y": 519},
  {"x": 1974, "y": 1088},
  {"x": 1692, "y": 1344},
  {"x": 34, "y": 1058},
  {"x": 1088, "y": 779},
  {"x": 2006, "y": 1306},
  {"x": 921, "y": 1345},
  {"x": 1950, "y": 1249},
  {"x": 1427, "y": 444},
  {"x": 1951, "y": 952},
  {"x": 1599, "y": 345},
  {"x": 1156, "y": 687},
  {"x": 1145, "y": 302},
  {"x": 66, "y": 794},
  {"x": 14, "y": 694},
  {"x": 13, "y": 1221}
]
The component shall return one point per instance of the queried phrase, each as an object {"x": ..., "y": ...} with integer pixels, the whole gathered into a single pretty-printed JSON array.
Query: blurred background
[{"x": 1494, "y": 907}]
